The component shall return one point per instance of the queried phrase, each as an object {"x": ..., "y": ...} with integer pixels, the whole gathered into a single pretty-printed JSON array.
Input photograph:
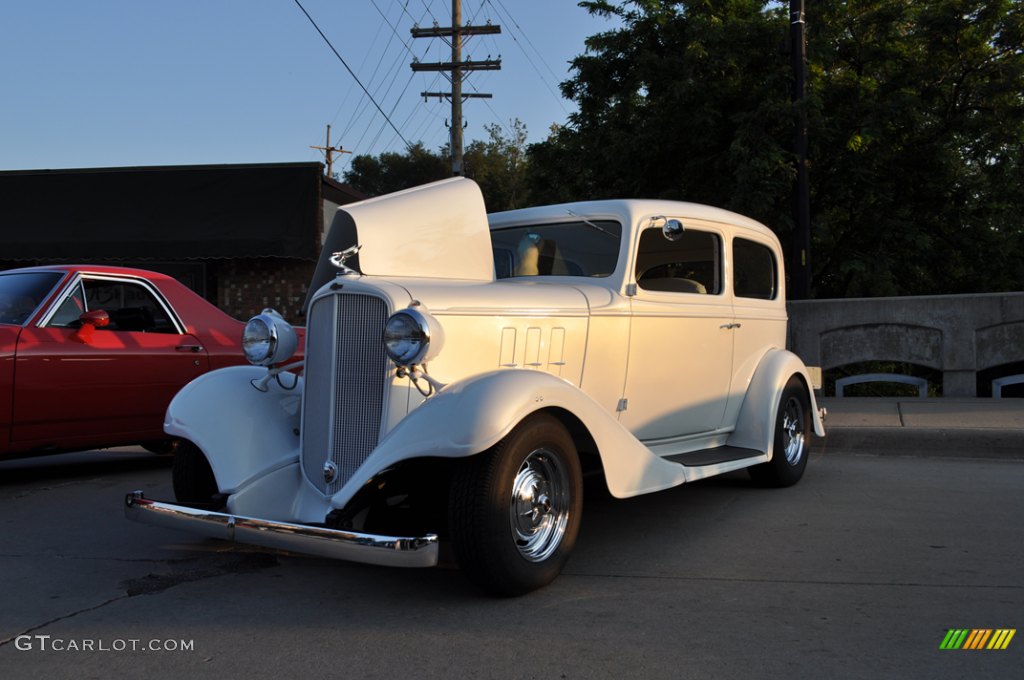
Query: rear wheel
[
  {"x": 792, "y": 439},
  {"x": 192, "y": 477},
  {"x": 515, "y": 509}
]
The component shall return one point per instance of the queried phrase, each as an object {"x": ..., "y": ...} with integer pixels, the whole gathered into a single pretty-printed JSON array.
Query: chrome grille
[{"x": 345, "y": 375}]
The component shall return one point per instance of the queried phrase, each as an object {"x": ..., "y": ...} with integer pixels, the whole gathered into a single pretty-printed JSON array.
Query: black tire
[
  {"x": 510, "y": 542},
  {"x": 792, "y": 439},
  {"x": 192, "y": 477},
  {"x": 161, "y": 447}
]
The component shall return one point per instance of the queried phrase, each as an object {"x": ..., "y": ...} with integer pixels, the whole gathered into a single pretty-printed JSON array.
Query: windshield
[
  {"x": 583, "y": 248},
  {"x": 22, "y": 293}
]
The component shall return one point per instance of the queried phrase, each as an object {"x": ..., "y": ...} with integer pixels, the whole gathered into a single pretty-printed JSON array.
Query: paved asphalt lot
[{"x": 857, "y": 572}]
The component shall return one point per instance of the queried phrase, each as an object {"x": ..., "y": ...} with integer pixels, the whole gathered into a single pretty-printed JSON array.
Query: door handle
[
  {"x": 730, "y": 326},
  {"x": 189, "y": 348}
]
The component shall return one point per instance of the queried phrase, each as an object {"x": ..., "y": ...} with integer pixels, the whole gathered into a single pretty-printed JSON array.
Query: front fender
[
  {"x": 245, "y": 432},
  {"x": 472, "y": 416},
  {"x": 755, "y": 427}
]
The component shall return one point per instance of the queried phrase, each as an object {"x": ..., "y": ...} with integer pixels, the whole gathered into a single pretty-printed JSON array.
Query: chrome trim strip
[
  {"x": 391, "y": 551},
  {"x": 81, "y": 276}
]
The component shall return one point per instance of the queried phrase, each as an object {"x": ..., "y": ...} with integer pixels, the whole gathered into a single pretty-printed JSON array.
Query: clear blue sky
[{"x": 100, "y": 83}]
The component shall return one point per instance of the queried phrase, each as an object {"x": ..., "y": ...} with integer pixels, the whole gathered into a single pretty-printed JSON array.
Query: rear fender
[
  {"x": 245, "y": 432},
  {"x": 470, "y": 417},
  {"x": 755, "y": 427}
]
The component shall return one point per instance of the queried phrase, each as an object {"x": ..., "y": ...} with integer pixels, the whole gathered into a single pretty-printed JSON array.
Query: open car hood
[{"x": 437, "y": 230}]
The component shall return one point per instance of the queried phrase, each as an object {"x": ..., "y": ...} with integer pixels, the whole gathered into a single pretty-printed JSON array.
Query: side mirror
[
  {"x": 672, "y": 230},
  {"x": 97, "y": 318}
]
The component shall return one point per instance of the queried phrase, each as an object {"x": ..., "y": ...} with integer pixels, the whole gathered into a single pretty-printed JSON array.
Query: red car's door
[
  {"x": 8, "y": 343},
  {"x": 107, "y": 385}
]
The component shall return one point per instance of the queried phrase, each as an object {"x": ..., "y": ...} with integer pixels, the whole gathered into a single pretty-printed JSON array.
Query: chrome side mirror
[{"x": 672, "y": 230}]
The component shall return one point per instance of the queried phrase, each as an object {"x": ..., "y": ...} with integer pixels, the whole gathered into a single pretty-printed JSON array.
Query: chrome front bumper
[{"x": 390, "y": 551}]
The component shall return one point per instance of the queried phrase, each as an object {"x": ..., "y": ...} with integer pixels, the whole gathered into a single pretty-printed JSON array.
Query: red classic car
[{"x": 91, "y": 356}]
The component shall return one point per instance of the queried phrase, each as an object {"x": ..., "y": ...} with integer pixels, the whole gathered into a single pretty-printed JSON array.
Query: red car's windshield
[{"x": 22, "y": 293}]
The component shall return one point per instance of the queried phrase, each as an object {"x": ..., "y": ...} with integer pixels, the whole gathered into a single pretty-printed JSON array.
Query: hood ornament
[{"x": 338, "y": 259}]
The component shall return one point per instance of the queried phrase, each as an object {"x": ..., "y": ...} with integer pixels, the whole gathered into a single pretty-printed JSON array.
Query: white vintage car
[{"x": 463, "y": 371}]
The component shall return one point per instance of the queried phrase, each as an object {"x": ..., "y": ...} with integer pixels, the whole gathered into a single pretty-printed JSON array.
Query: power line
[
  {"x": 393, "y": 72},
  {"x": 404, "y": 125},
  {"x": 352, "y": 73},
  {"x": 362, "y": 104},
  {"x": 509, "y": 19},
  {"x": 397, "y": 102},
  {"x": 525, "y": 36},
  {"x": 455, "y": 71},
  {"x": 344, "y": 98}
]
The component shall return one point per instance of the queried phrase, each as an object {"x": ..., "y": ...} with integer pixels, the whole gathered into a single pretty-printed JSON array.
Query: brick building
[{"x": 244, "y": 237}]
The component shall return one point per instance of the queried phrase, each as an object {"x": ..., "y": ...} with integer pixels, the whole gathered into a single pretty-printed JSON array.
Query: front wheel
[
  {"x": 192, "y": 478},
  {"x": 792, "y": 439},
  {"x": 515, "y": 509}
]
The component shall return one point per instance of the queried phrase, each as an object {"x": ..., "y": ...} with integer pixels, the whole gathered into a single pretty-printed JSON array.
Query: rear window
[{"x": 23, "y": 292}]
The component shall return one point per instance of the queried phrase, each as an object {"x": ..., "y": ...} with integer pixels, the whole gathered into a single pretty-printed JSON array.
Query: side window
[
  {"x": 131, "y": 307},
  {"x": 755, "y": 274},
  {"x": 693, "y": 264}
]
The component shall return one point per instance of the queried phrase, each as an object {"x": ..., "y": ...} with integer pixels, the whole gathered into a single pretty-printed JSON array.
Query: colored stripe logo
[{"x": 978, "y": 638}]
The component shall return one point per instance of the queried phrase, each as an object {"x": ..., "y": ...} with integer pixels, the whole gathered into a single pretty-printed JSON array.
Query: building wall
[{"x": 246, "y": 286}]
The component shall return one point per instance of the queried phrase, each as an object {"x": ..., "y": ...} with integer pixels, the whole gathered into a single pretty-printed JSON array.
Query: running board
[{"x": 715, "y": 456}]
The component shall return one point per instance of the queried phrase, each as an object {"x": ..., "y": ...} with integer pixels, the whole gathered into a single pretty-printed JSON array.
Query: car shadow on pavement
[{"x": 87, "y": 464}]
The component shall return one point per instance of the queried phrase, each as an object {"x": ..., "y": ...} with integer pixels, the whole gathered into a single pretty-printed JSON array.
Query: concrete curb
[{"x": 981, "y": 443}]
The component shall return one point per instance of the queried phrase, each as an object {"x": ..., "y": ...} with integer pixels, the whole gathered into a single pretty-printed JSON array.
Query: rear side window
[{"x": 755, "y": 272}]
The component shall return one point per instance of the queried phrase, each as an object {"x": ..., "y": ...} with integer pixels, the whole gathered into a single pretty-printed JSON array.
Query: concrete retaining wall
[{"x": 956, "y": 334}]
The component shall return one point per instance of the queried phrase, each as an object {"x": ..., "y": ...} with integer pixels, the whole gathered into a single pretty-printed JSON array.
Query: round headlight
[
  {"x": 412, "y": 337},
  {"x": 268, "y": 339}
]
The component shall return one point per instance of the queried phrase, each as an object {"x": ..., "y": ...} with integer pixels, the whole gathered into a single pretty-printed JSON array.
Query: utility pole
[
  {"x": 802, "y": 193},
  {"x": 329, "y": 152},
  {"x": 457, "y": 68}
]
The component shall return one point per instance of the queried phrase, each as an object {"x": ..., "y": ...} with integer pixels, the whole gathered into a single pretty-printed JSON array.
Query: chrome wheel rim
[
  {"x": 539, "y": 507},
  {"x": 793, "y": 430}
]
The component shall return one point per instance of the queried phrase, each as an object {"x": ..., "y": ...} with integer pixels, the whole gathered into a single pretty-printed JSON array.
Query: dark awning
[{"x": 166, "y": 213}]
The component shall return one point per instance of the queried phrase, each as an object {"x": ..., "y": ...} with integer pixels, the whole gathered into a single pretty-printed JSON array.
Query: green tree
[
  {"x": 917, "y": 145},
  {"x": 687, "y": 100},
  {"x": 916, "y": 122},
  {"x": 392, "y": 171},
  {"x": 498, "y": 165}
]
